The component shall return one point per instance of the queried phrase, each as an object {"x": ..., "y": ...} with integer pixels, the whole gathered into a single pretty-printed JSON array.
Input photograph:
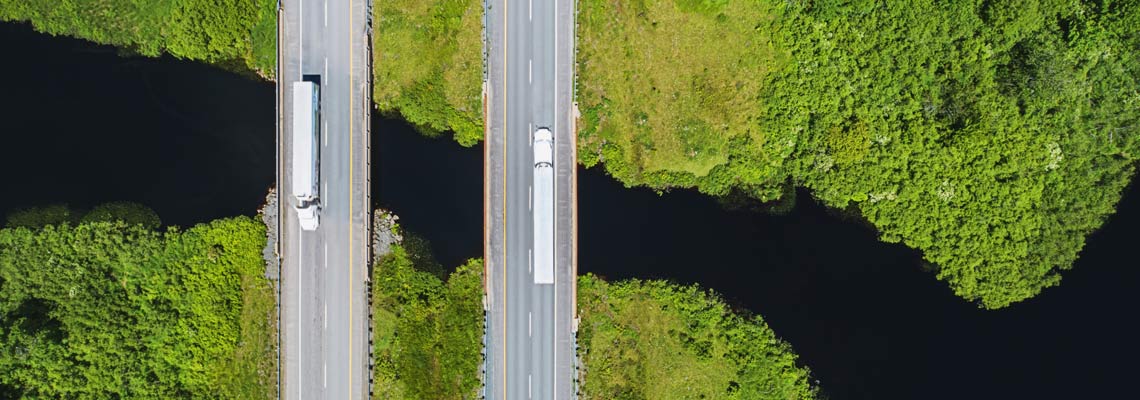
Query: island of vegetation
[{"x": 101, "y": 304}]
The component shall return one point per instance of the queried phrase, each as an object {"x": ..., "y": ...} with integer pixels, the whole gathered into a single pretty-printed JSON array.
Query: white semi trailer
[
  {"x": 306, "y": 153},
  {"x": 543, "y": 206}
]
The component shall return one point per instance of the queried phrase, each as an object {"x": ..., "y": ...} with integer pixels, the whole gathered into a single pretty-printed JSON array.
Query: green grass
[
  {"x": 427, "y": 57},
  {"x": 667, "y": 87},
  {"x": 656, "y": 340}
]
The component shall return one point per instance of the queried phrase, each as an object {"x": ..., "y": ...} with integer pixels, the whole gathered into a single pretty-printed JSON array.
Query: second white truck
[{"x": 543, "y": 206}]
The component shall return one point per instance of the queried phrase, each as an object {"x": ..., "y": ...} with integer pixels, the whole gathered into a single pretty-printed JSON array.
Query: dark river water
[{"x": 84, "y": 126}]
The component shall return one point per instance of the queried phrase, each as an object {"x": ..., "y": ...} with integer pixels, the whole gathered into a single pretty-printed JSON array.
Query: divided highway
[
  {"x": 324, "y": 325},
  {"x": 530, "y": 348}
]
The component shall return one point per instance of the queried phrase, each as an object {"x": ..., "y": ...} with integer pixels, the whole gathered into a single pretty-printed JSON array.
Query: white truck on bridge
[
  {"x": 543, "y": 206},
  {"x": 306, "y": 153}
]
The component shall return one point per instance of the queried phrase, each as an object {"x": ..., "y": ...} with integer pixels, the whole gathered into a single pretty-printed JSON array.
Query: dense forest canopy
[{"x": 118, "y": 310}]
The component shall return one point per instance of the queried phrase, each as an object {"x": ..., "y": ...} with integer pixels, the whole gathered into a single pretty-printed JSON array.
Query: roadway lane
[
  {"x": 324, "y": 335},
  {"x": 519, "y": 225},
  {"x": 539, "y": 109}
]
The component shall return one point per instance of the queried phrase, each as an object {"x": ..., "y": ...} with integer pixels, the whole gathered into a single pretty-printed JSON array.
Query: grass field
[
  {"x": 428, "y": 65},
  {"x": 667, "y": 87}
]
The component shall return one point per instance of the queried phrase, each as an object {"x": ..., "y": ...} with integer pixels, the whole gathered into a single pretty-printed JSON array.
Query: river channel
[{"x": 83, "y": 125}]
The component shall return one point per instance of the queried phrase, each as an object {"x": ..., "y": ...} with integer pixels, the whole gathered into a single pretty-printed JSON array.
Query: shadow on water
[{"x": 195, "y": 144}]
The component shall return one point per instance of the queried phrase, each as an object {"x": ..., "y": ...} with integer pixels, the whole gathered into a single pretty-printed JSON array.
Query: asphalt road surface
[
  {"x": 530, "y": 77},
  {"x": 324, "y": 310}
]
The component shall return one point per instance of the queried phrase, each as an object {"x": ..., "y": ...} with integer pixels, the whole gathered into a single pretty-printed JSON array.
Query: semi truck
[
  {"x": 543, "y": 206},
  {"x": 306, "y": 152}
]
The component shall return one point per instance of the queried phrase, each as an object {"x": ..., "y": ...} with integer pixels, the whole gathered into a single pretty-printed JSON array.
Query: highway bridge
[
  {"x": 323, "y": 326},
  {"x": 529, "y": 58}
]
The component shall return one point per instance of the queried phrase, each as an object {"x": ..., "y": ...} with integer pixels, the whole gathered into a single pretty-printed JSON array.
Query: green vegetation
[
  {"x": 655, "y": 340},
  {"x": 427, "y": 333},
  {"x": 992, "y": 136},
  {"x": 116, "y": 310},
  {"x": 427, "y": 56},
  {"x": 240, "y": 35}
]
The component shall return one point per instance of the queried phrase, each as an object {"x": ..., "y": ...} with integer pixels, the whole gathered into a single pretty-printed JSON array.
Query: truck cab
[
  {"x": 543, "y": 148},
  {"x": 308, "y": 217}
]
